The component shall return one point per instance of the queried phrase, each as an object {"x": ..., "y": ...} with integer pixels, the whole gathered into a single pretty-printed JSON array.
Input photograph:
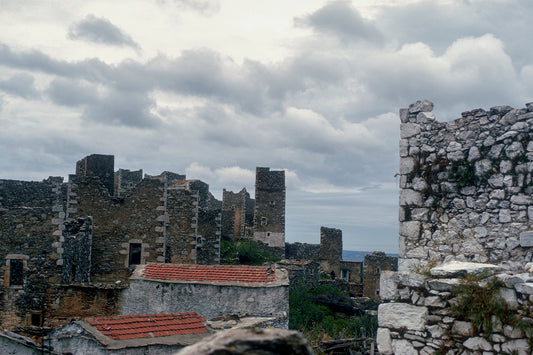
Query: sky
[{"x": 215, "y": 88}]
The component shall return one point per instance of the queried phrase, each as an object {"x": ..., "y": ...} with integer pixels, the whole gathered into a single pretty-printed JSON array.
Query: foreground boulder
[{"x": 251, "y": 341}]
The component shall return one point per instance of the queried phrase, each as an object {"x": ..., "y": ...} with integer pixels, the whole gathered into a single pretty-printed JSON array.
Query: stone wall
[
  {"x": 306, "y": 272},
  {"x": 209, "y": 300},
  {"x": 237, "y": 215},
  {"x": 302, "y": 251},
  {"x": 375, "y": 263},
  {"x": 330, "y": 250},
  {"x": 125, "y": 180},
  {"x": 269, "y": 213},
  {"x": 101, "y": 166},
  {"x": 466, "y": 185},
  {"x": 416, "y": 316},
  {"x": 30, "y": 218}
]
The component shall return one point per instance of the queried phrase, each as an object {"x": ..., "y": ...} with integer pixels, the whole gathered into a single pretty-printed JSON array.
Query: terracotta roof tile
[
  {"x": 209, "y": 273},
  {"x": 148, "y": 325}
]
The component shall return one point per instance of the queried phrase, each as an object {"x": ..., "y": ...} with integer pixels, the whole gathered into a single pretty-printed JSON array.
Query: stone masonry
[
  {"x": 466, "y": 186},
  {"x": 269, "y": 212}
]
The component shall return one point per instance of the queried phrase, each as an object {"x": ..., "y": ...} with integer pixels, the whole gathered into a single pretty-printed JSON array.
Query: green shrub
[{"x": 319, "y": 322}]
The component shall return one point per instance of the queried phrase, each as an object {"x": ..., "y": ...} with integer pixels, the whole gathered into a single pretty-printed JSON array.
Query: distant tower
[
  {"x": 98, "y": 165},
  {"x": 269, "y": 214}
]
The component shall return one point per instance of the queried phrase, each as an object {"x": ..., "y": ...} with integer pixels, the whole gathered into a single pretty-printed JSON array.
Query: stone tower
[
  {"x": 98, "y": 165},
  {"x": 269, "y": 214}
]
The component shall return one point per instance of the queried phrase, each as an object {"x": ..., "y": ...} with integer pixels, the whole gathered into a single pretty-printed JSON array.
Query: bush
[
  {"x": 319, "y": 322},
  {"x": 246, "y": 252}
]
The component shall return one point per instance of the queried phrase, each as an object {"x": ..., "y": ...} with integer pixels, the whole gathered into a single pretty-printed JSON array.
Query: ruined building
[
  {"x": 237, "y": 215},
  {"x": 465, "y": 276},
  {"x": 466, "y": 186},
  {"x": 306, "y": 261},
  {"x": 269, "y": 212},
  {"x": 69, "y": 248}
]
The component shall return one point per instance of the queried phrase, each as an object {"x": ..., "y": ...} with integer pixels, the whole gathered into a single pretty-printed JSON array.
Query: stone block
[
  {"x": 388, "y": 285},
  {"x": 410, "y": 197},
  {"x": 402, "y": 315},
  {"x": 384, "y": 342},
  {"x": 410, "y": 230},
  {"x": 477, "y": 344},
  {"x": 408, "y": 130},
  {"x": 403, "y": 347}
]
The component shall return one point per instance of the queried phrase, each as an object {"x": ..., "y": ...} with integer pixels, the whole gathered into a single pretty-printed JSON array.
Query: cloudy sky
[{"x": 214, "y": 88}]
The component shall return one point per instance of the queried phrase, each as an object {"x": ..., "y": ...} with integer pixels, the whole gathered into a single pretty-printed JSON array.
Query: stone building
[
  {"x": 269, "y": 211},
  {"x": 330, "y": 254},
  {"x": 69, "y": 248},
  {"x": 131, "y": 334},
  {"x": 237, "y": 215},
  {"x": 373, "y": 265},
  {"x": 209, "y": 290},
  {"x": 356, "y": 277}
]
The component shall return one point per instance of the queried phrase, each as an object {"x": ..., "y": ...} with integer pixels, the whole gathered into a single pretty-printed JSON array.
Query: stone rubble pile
[{"x": 416, "y": 318}]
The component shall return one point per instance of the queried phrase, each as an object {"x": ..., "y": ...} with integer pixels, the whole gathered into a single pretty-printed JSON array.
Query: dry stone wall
[
  {"x": 466, "y": 186},
  {"x": 417, "y": 316}
]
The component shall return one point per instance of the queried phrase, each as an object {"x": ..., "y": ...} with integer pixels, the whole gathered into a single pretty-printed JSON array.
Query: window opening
[
  {"x": 345, "y": 275},
  {"x": 16, "y": 272},
  {"x": 36, "y": 319},
  {"x": 135, "y": 253}
]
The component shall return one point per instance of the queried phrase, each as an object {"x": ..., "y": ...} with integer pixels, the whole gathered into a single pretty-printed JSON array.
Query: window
[
  {"x": 15, "y": 269},
  {"x": 272, "y": 203},
  {"x": 345, "y": 274},
  {"x": 135, "y": 253},
  {"x": 36, "y": 319},
  {"x": 16, "y": 272},
  {"x": 264, "y": 221}
]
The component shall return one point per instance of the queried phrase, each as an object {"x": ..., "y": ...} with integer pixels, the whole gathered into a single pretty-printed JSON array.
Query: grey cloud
[
  {"x": 20, "y": 85},
  {"x": 341, "y": 19},
  {"x": 251, "y": 87},
  {"x": 438, "y": 24},
  {"x": 90, "y": 69},
  {"x": 100, "y": 30},
  {"x": 72, "y": 93},
  {"x": 110, "y": 106},
  {"x": 123, "y": 109}
]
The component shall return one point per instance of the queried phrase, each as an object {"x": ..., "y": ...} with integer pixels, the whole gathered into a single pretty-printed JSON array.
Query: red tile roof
[
  {"x": 210, "y": 273},
  {"x": 148, "y": 325}
]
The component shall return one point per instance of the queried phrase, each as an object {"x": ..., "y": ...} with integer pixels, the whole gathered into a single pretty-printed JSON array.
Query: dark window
[
  {"x": 135, "y": 254},
  {"x": 36, "y": 319},
  {"x": 16, "y": 272},
  {"x": 345, "y": 275}
]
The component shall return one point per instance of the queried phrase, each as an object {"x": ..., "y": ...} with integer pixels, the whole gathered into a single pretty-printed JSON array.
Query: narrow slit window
[{"x": 16, "y": 272}]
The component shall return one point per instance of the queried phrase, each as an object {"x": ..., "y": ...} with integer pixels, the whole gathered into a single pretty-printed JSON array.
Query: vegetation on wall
[
  {"x": 245, "y": 252},
  {"x": 319, "y": 322}
]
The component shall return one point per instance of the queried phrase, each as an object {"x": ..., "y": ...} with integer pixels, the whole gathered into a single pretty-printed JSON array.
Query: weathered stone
[
  {"x": 421, "y": 106},
  {"x": 388, "y": 285},
  {"x": 403, "y": 347},
  {"x": 463, "y": 328},
  {"x": 477, "y": 343},
  {"x": 384, "y": 341},
  {"x": 401, "y": 315},
  {"x": 250, "y": 341},
  {"x": 457, "y": 268},
  {"x": 409, "y": 130},
  {"x": 509, "y": 296},
  {"x": 410, "y": 197},
  {"x": 526, "y": 288},
  {"x": 517, "y": 346},
  {"x": 512, "y": 332}
]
